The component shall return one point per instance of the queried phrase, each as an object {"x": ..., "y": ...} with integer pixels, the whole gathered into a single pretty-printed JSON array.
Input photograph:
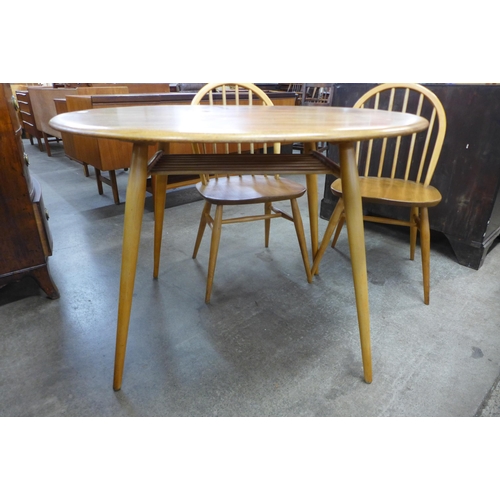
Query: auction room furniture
[
  {"x": 113, "y": 89},
  {"x": 139, "y": 88},
  {"x": 25, "y": 240},
  {"x": 314, "y": 94},
  {"x": 398, "y": 171},
  {"x": 68, "y": 140},
  {"x": 28, "y": 118},
  {"x": 296, "y": 87},
  {"x": 44, "y": 108},
  {"x": 145, "y": 125},
  {"x": 468, "y": 175},
  {"x": 110, "y": 155},
  {"x": 220, "y": 191}
]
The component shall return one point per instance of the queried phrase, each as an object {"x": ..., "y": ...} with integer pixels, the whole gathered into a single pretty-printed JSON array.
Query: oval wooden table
[{"x": 144, "y": 125}]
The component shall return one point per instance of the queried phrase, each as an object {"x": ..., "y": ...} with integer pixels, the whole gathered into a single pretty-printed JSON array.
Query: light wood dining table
[{"x": 163, "y": 125}]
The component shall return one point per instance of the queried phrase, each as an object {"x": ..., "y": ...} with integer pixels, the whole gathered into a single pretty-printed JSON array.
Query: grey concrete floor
[{"x": 269, "y": 344}]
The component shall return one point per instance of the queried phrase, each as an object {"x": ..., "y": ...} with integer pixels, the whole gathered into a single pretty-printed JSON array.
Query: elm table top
[{"x": 181, "y": 123}]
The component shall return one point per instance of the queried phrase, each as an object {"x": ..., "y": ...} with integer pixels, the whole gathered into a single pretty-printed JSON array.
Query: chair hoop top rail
[{"x": 437, "y": 126}]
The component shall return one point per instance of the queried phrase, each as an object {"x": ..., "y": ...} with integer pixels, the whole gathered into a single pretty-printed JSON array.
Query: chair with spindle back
[
  {"x": 317, "y": 94},
  {"x": 237, "y": 189},
  {"x": 296, "y": 87},
  {"x": 398, "y": 171}
]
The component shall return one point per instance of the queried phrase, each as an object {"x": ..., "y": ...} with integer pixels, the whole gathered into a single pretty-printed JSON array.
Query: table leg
[
  {"x": 159, "y": 184},
  {"x": 134, "y": 210},
  {"x": 160, "y": 195},
  {"x": 355, "y": 233},
  {"x": 312, "y": 201}
]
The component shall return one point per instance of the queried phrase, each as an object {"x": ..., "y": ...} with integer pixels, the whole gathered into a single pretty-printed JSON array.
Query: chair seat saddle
[
  {"x": 249, "y": 189},
  {"x": 393, "y": 192}
]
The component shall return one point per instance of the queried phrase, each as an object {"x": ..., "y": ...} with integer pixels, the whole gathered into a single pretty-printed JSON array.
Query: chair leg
[
  {"x": 205, "y": 216},
  {"x": 214, "y": 250},
  {"x": 47, "y": 145},
  {"x": 301, "y": 237},
  {"x": 267, "y": 224},
  {"x": 98, "y": 180},
  {"x": 332, "y": 223},
  {"x": 85, "y": 169},
  {"x": 425, "y": 245},
  {"x": 413, "y": 231},
  {"x": 114, "y": 187},
  {"x": 159, "y": 195},
  {"x": 340, "y": 225}
]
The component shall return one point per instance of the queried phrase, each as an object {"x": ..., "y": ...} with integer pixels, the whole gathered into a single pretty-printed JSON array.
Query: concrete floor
[{"x": 269, "y": 344}]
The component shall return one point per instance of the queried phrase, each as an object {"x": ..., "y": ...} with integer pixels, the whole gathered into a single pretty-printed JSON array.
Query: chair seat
[
  {"x": 247, "y": 189},
  {"x": 393, "y": 192}
]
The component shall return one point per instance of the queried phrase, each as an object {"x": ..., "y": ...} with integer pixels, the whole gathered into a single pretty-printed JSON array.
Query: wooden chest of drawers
[{"x": 25, "y": 241}]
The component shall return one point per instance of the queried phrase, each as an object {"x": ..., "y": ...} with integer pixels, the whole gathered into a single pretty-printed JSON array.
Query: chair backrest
[
  {"x": 411, "y": 157},
  {"x": 317, "y": 94},
  {"x": 296, "y": 87},
  {"x": 237, "y": 94}
]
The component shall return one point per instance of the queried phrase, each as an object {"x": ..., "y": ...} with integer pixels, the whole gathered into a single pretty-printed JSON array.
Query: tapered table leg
[
  {"x": 134, "y": 210},
  {"x": 159, "y": 185},
  {"x": 355, "y": 231},
  {"x": 160, "y": 195},
  {"x": 312, "y": 201}
]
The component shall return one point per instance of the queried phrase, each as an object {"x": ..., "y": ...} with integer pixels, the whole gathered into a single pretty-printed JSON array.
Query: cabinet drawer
[{"x": 41, "y": 217}]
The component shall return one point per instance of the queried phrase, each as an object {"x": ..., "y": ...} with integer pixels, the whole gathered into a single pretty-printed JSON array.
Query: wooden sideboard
[
  {"x": 468, "y": 171},
  {"x": 140, "y": 88},
  {"x": 42, "y": 102},
  {"x": 25, "y": 241},
  {"x": 27, "y": 117}
]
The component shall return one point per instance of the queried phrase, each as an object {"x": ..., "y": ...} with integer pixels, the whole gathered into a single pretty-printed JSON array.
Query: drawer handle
[{"x": 15, "y": 103}]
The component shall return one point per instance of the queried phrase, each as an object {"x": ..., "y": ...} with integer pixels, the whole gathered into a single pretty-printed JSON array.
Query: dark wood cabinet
[
  {"x": 25, "y": 240},
  {"x": 468, "y": 172}
]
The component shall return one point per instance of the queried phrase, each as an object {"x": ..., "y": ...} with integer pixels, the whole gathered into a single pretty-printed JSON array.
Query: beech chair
[
  {"x": 397, "y": 171},
  {"x": 222, "y": 190}
]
